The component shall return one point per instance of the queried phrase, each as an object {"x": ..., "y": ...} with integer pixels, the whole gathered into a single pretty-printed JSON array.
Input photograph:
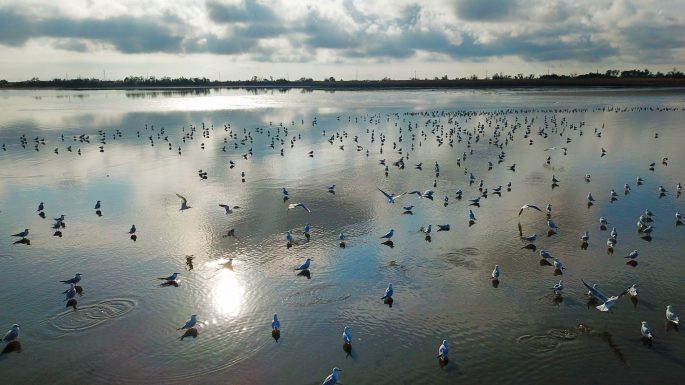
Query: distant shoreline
[{"x": 355, "y": 85}]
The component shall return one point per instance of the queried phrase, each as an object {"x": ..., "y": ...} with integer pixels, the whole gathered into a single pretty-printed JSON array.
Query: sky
[{"x": 345, "y": 39}]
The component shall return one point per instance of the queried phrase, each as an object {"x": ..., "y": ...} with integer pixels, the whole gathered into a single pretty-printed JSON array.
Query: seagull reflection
[{"x": 192, "y": 332}]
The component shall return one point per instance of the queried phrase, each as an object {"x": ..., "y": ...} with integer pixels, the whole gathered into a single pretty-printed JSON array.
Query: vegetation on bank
[{"x": 610, "y": 78}]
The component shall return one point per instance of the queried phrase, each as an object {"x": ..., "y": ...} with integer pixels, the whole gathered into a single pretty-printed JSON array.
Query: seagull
[
  {"x": 71, "y": 292},
  {"x": 332, "y": 378},
  {"x": 275, "y": 324},
  {"x": 184, "y": 202},
  {"x": 341, "y": 236},
  {"x": 347, "y": 335},
  {"x": 585, "y": 237},
  {"x": 443, "y": 350},
  {"x": 391, "y": 197},
  {"x": 671, "y": 315},
  {"x": 299, "y": 204},
  {"x": 11, "y": 334},
  {"x": 388, "y": 292},
  {"x": 97, "y": 206},
  {"x": 331, "y": 187},
  {"x": 307, "y": 228},
  {"x": 607, "y": 303},
  {"x": 557, "y": 288},
  {"x": 427, "y": 230},
  {"x": 649, "y": 213},
  {"x": 551, "y": 224},
  {"x": 495, "y": 272},
  {"x": 626, "y": 188},
  {"x": 443, "y": 227},
  {"x": 288, "y": 236},
  {"x": 40, "y": 207},
  {"x": 529, "y": 206},
  {"x": 22, "y": 234},
  {"x": 389, "y": 234},
  {"x": 228, "y": 208},
  {"x": 545, "y": 254},
  {"x": 633, "y": 254},
  {"x": 305, "y": 265},
  {"x": 472, "y": 216},
  {"x": 132, "y": 230},
  {"x": 285, "y": 192},
  {"x": 548, "y": 209},
  {"x": 633, "y": 290},
  {"x": 603, "y": 221},
  {"x": 76, "y": 279},
  {"x": 531, "y": 238},
  {"x": 555, "y": 180},
  {"x": 678, "y": 216},
  {"x": 190, "y": 323},
  {"x": 613, "y": 233},
  {"x": 590, "y": 198},
  {"x": 170, "y": 278},
  {"x": 558, "y": 265},
  {"x": 408, "y": 208},
  {"x": 646, "y": 331}
]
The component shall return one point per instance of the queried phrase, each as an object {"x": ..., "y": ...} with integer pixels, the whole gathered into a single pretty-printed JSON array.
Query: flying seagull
[
  {"x": 391, "y": 197},
  {"x": 298, "y": 204},
  {"x": 184, "y": 202},
  {"x": 527, "y": 206}
]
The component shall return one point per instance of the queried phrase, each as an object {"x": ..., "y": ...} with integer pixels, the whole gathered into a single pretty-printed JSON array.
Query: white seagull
[
  {"x": 646, "y": 331},
  {"x": 671, "y": 315},
  {"x": 443, "y": 350},
  {"x": 607, "y": 303},
  {"x": 495, "y": 272},
  {"x": 11, "y": 334},
  {"x": 347, "y": 335},
  {"x": 388, "y": 292},
  {"x": 391, "y": 197},
  {"x": 184, "y": 202},
  {"x": 298, "y": 204},
  {"x": 529, "y": 206},
  {"x": 557, "y": 288},
  {"x": 305, "y": 265},
  {"x": 190, "y": 323},
  {"x": 389, "y": 234},
  {"x": 228, "y": 208},
  {"x": 332, "y": 379},
  {"x": 76, "y": 279},
  {"x": 275, "y": 324}
]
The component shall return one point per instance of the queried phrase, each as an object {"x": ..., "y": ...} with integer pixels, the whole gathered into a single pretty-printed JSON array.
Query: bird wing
[
  {"x": 596, "y": 293},
  {"x": 385, "y": 193},
  {"x": 183, "y": 199},
  {"x": 534, "y": 207},
  {"x": 520, "y": 211},
  {"x": 224, "y": 206}
]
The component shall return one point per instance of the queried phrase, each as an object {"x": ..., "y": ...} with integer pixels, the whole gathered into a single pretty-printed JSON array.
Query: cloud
[
  {"x": 479, "y": 10},
  {"x": 345, "y": 31}
]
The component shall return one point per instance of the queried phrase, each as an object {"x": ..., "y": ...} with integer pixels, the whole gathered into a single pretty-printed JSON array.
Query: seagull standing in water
[
  {"x": 132, "y": 230},
  {"x": 305, "y": 265},
  {"x": 671, "y": 316},
  {"x": 170, "y": 278},
  {"x": 76, "y": 279},
  {"x": 388, "y": 292},
  {"x": 552, "y": 225},
  {"x": 389, "y": 234},
  {"x": 495, "y": 272},
  {"x": 347, "y": 335},
  {"x": 557, "y": 288},
  {"x": 71, "y": 292},
  {"x": 332, "y": 379},
  {"x": 443, "y": 350},
  {"x": 184, "y": 202},
  {"x": 22, "y": 234},
  {"x": 275, "y": 324},
  {"x": 11, "y": 334},
  {"x": 190, "y": 323},
  {"x": 646, "y": 330}
]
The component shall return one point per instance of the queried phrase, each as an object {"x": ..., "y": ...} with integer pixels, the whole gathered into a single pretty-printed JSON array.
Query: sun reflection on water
[{"x": 227, "y": 293}]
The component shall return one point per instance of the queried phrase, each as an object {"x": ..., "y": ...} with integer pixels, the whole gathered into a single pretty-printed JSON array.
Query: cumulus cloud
[{"x": 351, "y": 30}]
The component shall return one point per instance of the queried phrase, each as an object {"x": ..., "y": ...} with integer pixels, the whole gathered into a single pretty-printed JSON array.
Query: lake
[{"x": 155, "y": 142}]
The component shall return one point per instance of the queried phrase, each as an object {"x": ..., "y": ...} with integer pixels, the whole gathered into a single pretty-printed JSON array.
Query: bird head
[
  {"x": 335, "y": 370},
  {"x": 16, "y": 326},
  {"x": 275, "y": 317},
  {"x": 444, "y": 342},
  {"x": 194, "y": 316}
]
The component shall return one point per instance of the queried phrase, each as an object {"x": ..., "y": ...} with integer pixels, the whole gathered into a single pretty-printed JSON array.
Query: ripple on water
[
  {"x": 320, "y": 294},
  {"x": 541, "y": 344},
  {"x": 90, "y": 316}
]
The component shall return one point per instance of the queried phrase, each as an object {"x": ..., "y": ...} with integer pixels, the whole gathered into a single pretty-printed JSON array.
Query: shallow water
[{"x": 125, "y": 328}]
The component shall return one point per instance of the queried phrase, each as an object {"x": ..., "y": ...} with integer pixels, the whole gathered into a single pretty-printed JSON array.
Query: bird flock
[{"x": 498, "y": 128}]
